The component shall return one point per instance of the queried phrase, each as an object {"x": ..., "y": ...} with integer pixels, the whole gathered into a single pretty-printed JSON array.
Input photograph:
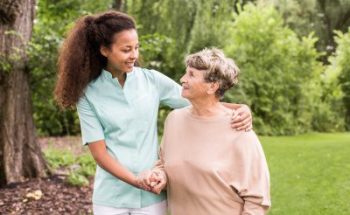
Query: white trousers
[{"x": 155, "y": 209}]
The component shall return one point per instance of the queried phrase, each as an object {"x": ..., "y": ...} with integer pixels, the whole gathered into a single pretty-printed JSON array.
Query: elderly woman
[{"x": 210, "y": 169}]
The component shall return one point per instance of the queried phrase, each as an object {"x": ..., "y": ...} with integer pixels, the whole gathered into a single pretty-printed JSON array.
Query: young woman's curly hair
[{"x": 80, "y": 60}]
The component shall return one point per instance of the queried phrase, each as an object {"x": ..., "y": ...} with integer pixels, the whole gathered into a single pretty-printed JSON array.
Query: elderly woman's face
[{"x": 193, "y": 84}]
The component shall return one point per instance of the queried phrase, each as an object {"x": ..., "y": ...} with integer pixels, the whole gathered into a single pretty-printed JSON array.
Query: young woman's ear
[{"x": 104, "y": 51}]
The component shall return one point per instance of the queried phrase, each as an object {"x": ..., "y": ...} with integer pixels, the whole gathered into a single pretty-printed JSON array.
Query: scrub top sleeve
[
  {"x": 169, "y": 91},
  {"x": 91, "y": 128}
]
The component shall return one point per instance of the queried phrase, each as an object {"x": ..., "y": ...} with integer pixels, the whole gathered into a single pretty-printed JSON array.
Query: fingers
[
  {"x": 160, "y": 182},
  {"x": 159, "y": 187},
  {"x": 242, "y": 119},
  {"x": 152, "y": 181},
  {"x": 241, "y": 114},
  {"x": 244, "y": 125},
  {"x": 143, "y": 180}
]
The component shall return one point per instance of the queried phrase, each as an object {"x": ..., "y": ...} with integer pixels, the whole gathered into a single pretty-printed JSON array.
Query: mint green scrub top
[{"x": 126, "y": 118}]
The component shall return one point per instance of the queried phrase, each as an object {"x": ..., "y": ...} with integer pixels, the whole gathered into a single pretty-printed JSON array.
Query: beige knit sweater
[{"x": 211, "y": 168}]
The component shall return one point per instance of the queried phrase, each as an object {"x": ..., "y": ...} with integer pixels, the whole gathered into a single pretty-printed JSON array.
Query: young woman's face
[
  {"x": 123, "y": 53},
  {"x": 193, "y": 84}
]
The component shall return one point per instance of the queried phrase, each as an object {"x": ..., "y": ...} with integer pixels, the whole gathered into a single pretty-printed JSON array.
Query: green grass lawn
[{"x": 310, "y": 174}]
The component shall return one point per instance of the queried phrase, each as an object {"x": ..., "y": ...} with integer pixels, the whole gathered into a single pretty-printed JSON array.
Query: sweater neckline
[{"x": 189, "y": 114}]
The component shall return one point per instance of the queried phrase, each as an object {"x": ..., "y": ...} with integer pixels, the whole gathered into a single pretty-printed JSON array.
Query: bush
[
  {"x": 53, "y": 20},
  {"x": 279, "y": 77},
  {"x": 58, "y": 158},
  {"x": 340, "y": 66},
  {"x": 329, "y": 114},
  {"x": 79, "y": 168}
]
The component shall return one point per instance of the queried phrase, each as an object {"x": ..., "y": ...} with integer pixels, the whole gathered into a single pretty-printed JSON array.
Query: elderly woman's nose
[{"x": 182, "y": 79}]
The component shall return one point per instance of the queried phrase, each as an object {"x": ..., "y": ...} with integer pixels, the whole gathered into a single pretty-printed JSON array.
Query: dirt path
[{"x": 51, "y": 195}]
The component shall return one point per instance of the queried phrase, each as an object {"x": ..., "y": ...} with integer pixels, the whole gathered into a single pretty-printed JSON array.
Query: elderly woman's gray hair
[{"x": 216, "y": 68}]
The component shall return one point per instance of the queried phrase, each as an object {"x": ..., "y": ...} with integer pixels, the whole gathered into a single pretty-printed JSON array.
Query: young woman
[{"x": 118, "y": 105}]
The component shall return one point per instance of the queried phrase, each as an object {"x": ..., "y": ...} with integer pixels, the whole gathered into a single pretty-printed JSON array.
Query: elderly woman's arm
[
  {"x": 159, "y": 177},
  {"x": 252, "y": 180}
]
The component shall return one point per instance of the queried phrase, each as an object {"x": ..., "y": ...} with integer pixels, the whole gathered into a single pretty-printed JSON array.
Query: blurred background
[
  {"x": 295, "y": 75},
  {"x": 293, "y": 55}
]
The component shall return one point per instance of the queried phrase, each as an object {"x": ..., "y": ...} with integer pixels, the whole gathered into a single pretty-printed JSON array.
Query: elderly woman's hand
[
  {"x": 143, "y": 180},
  {"x": 242, "y": 118},
  {"x": 152, "y": 180},
  {"x": 158, "y": 181}
]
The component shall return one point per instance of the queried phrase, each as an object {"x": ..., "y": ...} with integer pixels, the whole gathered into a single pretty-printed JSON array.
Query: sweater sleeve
[
  {"x": 159, "y": 165},
  {"x": 251, "y": 178}
]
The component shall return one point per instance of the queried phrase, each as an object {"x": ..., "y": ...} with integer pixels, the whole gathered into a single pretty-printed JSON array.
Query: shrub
[
  {"x": 279, "y": 77},
  {"x": 340, "y": 66},
  {"x": 79, "y": 168}
]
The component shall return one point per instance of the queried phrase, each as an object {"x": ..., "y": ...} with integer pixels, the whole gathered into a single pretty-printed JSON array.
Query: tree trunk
[
  {"x": 119, "y": 5},
  {"x": 20, "y": 155}
]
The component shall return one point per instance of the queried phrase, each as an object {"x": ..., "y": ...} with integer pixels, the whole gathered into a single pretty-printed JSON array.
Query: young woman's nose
[{"x": 134, "y": 54}]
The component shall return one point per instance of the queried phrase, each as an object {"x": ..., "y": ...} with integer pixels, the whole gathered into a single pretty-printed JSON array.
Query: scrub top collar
[{"x": 108, "y": 75}]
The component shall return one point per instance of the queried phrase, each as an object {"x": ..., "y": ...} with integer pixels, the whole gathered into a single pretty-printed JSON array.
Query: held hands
[
  {"x": 152, "y": 180},
  {"x": 242, "y": 119}
]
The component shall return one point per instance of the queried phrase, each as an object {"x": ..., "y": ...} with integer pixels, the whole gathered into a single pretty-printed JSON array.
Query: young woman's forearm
[
  {"x": 108, "y": 163},
  {"x": 232, "y": 105}
]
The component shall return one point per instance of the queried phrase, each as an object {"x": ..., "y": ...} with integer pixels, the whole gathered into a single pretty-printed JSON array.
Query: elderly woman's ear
[{"x": 213, "y": 87}]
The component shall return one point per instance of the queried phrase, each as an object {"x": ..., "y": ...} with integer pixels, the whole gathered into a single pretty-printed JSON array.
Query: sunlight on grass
[
  {"x": 310, "y": 174},
  {"x": 79, "y": 168}
]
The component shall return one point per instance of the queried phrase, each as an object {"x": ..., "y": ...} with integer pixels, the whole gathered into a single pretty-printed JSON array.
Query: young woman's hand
[
  {"x": 242, "y": 118},
  {"x": 143, "y": 180}
]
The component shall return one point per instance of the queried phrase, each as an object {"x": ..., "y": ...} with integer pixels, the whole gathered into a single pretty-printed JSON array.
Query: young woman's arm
[
  {"x": 170, "y": 95},
  {"x": 242, "y": 118},
  {"x": 105, "y": 161}
]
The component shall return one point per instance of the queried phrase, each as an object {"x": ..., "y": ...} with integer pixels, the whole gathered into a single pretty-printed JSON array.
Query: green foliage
[
  {"x": 87, "y": 164},
  {"x": 279, "y": 71},
  {"x": 319, "y": 16},
  {"x": 281, "y": 78},
  {"x": 191, "y": 25},
  {"x": 152, "y": 46},
  {"x": 13, "y": 55},
  {"x": 58, "y": 158},
  {"x": 86, "y": 168},
  {"x": 162, "y": 114},
  {"x": 77, "y": 179},
  {"x": 53, "y": 20},
  {"x": 338, "y": 76},
  {"x": 5, "y": 65},
  {"x": 79, "y": 168}
]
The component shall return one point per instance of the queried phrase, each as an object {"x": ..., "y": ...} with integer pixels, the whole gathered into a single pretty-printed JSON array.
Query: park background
[{"x": 295, "y": 75}]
